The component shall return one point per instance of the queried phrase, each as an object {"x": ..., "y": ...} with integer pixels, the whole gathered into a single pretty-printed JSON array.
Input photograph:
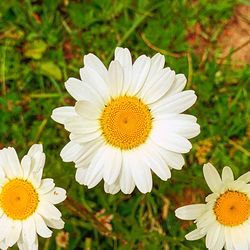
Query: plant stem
[{"x": 84, "y": 213}]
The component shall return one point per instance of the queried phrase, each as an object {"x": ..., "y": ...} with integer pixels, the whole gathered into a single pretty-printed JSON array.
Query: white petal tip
[
  {"x": 207, "y": 167},
  {"x": 178, "y": 213}
]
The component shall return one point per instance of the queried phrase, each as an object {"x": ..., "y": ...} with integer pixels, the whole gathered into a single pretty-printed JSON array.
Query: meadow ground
[{"x": 42, "y": 44}]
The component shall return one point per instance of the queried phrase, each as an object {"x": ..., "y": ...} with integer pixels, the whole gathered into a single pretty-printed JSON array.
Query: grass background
[{"x": 42, "y": 44}]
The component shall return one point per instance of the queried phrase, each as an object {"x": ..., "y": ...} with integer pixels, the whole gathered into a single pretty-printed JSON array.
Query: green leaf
[
  {"x": 51, "y": 69},
  {"x": 35, "y": 49}
]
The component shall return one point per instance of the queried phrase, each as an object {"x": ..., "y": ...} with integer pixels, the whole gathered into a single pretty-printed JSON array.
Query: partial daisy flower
[
  {"x": 126, "y": 122},
  {"x": 225, "y": 218},
  {"x": 62, "y": 239},
  {"x": 26, "y": 200}
]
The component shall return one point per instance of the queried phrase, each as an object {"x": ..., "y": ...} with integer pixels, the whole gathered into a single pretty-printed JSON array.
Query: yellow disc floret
[
  {"x": 126, "y": 122},
  {"x": 18, "y": 199},
  {"x": 232, "y": 208}
]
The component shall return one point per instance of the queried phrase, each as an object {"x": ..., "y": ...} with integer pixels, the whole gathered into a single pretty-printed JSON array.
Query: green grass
[{"x": 42, "y": 44}]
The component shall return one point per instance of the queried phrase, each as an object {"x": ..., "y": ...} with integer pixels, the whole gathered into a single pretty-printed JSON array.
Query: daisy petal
[
  {"x": 41, "y": 227},
  {"x": 157, "y": 63},
  {"x": 174, "y": 160},
  {"x": 63, "y": 114},
  {"x": 116, "y": 78},
  {"x": 186, "y": 117},
  {"x": 80, "y": 125},
  {"x": 113, "y": 188},
  {"x": 245, "y": 177},
  {"x": 71, "y": 152},
  {"x": 14, "y": 162},
  {"x": 212, "y": 177},
  {"x": 153, "y": 159},
  {"x": 37, "y": 157},
  {"x": 177, "y": 103},
  {"x": 95, "y": 170},
  {"x": 82, "y": 91},
  {"x": 212, "y": 236},
  {"x": 38, "y": 162},
  {"x": 112, "y": 165},
  {"x": 126, "y": 180},
  {"x": 2, "y": 174},
  {"x": 83, "y": 138},
  {"x": 158, "y": 85},
  {"x": 34, "y": 149},
  {"x": 14, "y": 233},
  {"x": 81, "y": 175},
  {"x": 46, "y": 186},
  {"x": 179, "y": 126},
  {"x": 29, "y": 231},
  {"x": 239, "y": 239},
  {"x": 4, "y": 163},
  {"x": 170, "y": 141},
  {"x": 156, "y": 71},
  {"x": 194, "y": 235},
  {"x": 3, "y": 245},
  {"x": 96, "y": 64},
  {"x": 75, "y": 88},
  {"x": 219, "y": 244},
  {"x": 26, "y": 166},
  {"x": 206, "y": 219},
  {"x": 5, "y": 223},
  {"x": 37, "y": 165},
  {"x": 90, "y": 149},
  {"x": 87, "y": 110},
  {"x": 123, "y": 56},
  {"x": 228, "y": 239},
  {"x": 10, "y": 163},
  {"x": 140, "y": 71},
  {"x": 92, "y": 78},
  {"x": 160, "y": 168},
  {"x": 55, "y": 196},
  {"x": 48, "y": 211},
  {"x": 227, "y": 174},
  {"x": 178, "y": 85},
  {"x": 57, "y": 224},
  {"x": 23, "y": 245},
  {"x": 190, "y": 212},
  {"x": 141, "y": 173}
]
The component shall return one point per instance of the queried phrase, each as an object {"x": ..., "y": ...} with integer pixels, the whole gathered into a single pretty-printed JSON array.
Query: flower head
[
  {"x": 225, "y": 218},
  {"x": 126, "y": 122},
  {"x": 62, "y": 239},
  {"x": 26, "y": 200}
]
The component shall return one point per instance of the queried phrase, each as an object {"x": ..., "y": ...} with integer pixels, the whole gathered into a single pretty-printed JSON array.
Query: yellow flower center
[
  {"x": 232, "y": 208},
  {"x": 126, "y": 122},
  {"x": 18, "y": 199}
]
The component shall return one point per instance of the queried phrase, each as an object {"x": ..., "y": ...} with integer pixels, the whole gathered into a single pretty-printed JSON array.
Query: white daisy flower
[
  {"x": 27, "y": 201},
  {"x": 126, "y": 122},
  {"x": 225, "y": 218}
]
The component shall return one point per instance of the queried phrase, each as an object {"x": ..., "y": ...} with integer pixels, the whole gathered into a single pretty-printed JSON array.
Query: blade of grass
[
  {"x": 44, "y": 95},
  {"x": 173, "y": 54},
  {"x": 3, "y": 70},
  {"x": 56, "y": 85},
  {"x": 137, "y": 22},
  {"x": 40, "y": 130},
  {"x": 239, "y": 147}
]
